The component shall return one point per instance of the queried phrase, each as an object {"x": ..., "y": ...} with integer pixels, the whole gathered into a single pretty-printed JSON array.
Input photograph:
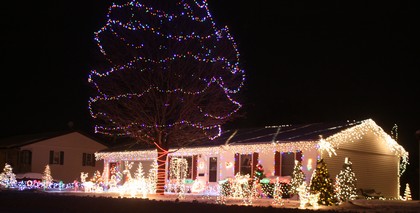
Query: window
[
  {"x": 56, "y": 157},
  {"x": 88, "y": 159},
  {"x": 245, "y": 164},
  {"x": 189, "y": 169},
  {"x": 285, "y": 162}
]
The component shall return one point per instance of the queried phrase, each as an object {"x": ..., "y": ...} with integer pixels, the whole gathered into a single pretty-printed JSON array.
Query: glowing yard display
[
  {"x": 407, "y": 193},
  {"x": 178, "y": 174},
  {"x": 47, "y": 179},
  {"x": 277, "y": 194},
  {"x": 7, "y": 177},
  {"x": 322, "y": 183},
  {"x": 306, "y": 197},
  {"x": 298, "y": 177},
  {"x": 346, "y": 183},
  {"x": 152, "y": 178}
]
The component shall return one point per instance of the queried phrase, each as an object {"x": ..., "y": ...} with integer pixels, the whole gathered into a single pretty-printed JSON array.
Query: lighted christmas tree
[
  {"x": 47, "y": 179},
  {"x": 298, "y": 177},
  {"x": 346, "y": 183},
  {"x": 139, "y": 174},
  {"x": 259, "y": 173},
  {"x": 152, "y": 177},
  {"x": 322, "y": 183},
  {"x": 170, "y": 77},
  {"x": 97, "y": 177},
  {"x": 7, "y": 177},
  {"x": 407, "y": 192},
  {"x": 277, "y": 193}
]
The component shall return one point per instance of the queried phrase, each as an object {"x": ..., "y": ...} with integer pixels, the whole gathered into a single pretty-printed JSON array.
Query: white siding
[
  {"x": 309, "y": 163},
  {"x": 373, "y": 163},
  {"x": 73, "y": 145}
]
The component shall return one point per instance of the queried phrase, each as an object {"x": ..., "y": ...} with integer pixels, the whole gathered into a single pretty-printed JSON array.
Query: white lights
[
  {"x": 306, "y": 197},
  {"x": 228, "y": 164},
  {"x": 201, "y": 165},
  {"x": 323, "y": 145},
  {"x": 309, "y": 164}
]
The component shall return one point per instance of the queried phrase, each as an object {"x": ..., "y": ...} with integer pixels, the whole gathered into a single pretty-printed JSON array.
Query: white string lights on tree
[
  {"x": 47, "y": 179},
  {"x": 205, "y": 48}
]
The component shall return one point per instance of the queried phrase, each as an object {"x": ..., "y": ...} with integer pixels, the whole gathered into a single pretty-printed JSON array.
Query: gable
[
  {"x": 375, "y": 139},
  {"x": 370, "y": 138}
]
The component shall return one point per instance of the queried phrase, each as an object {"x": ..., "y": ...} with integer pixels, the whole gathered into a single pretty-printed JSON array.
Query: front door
[{"x": 213, "y": 169}]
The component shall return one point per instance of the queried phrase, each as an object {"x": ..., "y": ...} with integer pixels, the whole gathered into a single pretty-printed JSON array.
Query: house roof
[
  {"x": 22, "y": 140},
  {"x": 278, "y": 134}
]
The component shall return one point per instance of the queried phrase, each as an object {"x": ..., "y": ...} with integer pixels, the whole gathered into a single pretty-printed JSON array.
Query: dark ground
[{"x": 38, "y": 201}]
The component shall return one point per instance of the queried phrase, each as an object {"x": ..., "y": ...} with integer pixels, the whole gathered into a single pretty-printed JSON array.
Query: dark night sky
[{"x": 306, "y": 61}]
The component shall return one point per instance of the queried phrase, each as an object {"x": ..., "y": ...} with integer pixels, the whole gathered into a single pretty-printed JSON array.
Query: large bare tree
[{"x": 172, "y": 76}]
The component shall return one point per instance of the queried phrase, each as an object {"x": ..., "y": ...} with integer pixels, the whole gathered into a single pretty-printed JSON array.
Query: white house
[
  {"x": 68, "y": 153},
  {"x": 375, "y": 155}
]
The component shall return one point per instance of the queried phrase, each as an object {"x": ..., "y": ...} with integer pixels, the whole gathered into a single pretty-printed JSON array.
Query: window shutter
[
  {"x": 51, "y": 157},
  {"x": 277, "y": 164},
  {"x": 84, "y": 159},
  {"x": 30, "y": 157},
  {"x": 298, "y": 156},
  {"x": 254, "y": 163},
  {"x": 194, "y": 167},
  {"x": 236, "y": 170},
  {"x": 61, "y": 158},
  {"x": 169, "y": 167},
  {"x": 93, "y": 160}
]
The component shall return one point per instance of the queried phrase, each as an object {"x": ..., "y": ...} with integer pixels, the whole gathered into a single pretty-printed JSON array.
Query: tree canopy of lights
[
  {"x": 169, "y": 75},
  {"x": 322, "y": 183},
  {"x": 346, "y": 183}
]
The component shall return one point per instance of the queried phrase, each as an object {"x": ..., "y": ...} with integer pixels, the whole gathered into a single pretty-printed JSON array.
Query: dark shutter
[
  {"x": 30, "y": 157},
  {"x": 169, "y": 167},
  {"x": 277, "y": 164},
  {"x": 299, "y": 156},
  {"x": 194, "y": 167},
  {"x": 20, "y": 157},
  {"x": 61, "y": 158},
  {"x": 51, "y": 157},
  {"x": 93, "y": 160},
  {"x": 236, "y": 170},
  {"x": 84, "y": 159},
  {"x": 254, "y": 163}
]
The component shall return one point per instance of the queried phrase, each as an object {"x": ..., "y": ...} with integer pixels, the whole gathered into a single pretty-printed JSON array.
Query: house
[
  {"x": 68, "y": 153},
  {"x": 376, "y": 157}
]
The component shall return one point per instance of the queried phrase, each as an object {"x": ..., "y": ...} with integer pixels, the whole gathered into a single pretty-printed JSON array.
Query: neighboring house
[
  {"x": 68, "y": 153},
  {"x": 375, "y": 155}
]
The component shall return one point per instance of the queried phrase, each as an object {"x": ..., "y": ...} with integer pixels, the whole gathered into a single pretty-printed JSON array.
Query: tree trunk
[{"x": 162, "y": 154}]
